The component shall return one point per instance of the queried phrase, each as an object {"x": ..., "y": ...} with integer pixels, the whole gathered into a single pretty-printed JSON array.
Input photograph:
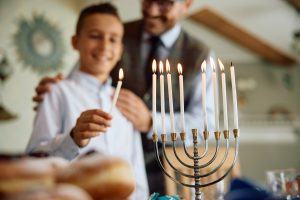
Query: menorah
[{"x": 196, "y": 157}]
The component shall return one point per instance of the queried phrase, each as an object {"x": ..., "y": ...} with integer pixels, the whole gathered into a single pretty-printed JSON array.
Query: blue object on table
[
  {"x": 245, "y": 189},
  {"x": 155, "y": 196}
]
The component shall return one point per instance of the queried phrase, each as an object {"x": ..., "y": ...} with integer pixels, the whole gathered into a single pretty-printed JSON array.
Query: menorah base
[{"x": 192, "y": 164}]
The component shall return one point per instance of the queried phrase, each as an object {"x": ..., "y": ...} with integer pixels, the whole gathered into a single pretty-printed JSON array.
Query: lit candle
[
  {"x": 162, "y": 97},
  {"x": 154, "y": 96},
  {"x": 181, "y": 93},
  {"x": 169, "y": 82},
  {"x": 117, "y": 91},
  {"x": 224, "y": 94},
  {"x": 203, "y": 68},
  {"x": 234, "y": 98},
  {"x": 216, "y": 98}
]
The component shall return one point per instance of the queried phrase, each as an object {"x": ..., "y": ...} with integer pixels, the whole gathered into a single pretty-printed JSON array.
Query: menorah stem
[{"x": 198, "y": 193}]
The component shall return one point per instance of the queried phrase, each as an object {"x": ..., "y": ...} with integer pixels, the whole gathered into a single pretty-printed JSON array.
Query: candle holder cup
[{"x": 196, "y": 158}]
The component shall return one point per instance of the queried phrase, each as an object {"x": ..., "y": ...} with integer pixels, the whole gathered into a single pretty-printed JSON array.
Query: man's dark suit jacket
[{"x": 188, "y": 51}]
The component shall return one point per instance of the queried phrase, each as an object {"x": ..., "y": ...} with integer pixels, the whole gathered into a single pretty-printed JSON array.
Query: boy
[{"x": 68, "y": 122}]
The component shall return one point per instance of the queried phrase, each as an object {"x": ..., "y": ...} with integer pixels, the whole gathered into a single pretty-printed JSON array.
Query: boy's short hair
[{"x": 101, "y": 8}]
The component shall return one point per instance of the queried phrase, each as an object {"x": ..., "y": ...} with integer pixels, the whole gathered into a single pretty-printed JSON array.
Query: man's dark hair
[{"x": 101, "y": 8}]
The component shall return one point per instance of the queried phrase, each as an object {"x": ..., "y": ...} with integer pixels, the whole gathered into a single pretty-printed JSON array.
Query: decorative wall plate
[{"x": 39, "y": 44}]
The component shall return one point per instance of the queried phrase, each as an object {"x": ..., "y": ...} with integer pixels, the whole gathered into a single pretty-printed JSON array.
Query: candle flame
[
  {"x": 121, "y": 74},
  {"x": 203, "y": 66},
  {"x": 154, "y": 66},
  {"x": 161, "y": 67},
  {"x": 212, "y": 64},
  {"x": 179, "y": 67},
  {"x": 221, "y": 65},
  {"x": 167, "y": 66}
]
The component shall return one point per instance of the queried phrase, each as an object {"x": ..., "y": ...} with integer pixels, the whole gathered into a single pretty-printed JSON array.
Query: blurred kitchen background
[{"x": 261, "y": 38}]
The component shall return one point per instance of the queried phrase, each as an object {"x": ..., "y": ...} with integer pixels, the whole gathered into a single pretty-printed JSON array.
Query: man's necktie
[{"x": 155, "y": 42}]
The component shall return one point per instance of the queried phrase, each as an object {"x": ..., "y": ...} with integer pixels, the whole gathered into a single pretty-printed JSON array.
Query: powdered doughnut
[
  {"x": 23, "y": 174},
  {"x": 59, "y": 192},
  {"x": 101, "y": 176}
]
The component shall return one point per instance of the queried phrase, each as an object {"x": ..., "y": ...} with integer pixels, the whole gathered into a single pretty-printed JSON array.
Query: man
[{"x": 160, "y": 18}]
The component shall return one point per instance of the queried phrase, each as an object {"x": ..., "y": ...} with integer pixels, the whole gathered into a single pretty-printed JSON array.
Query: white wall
[{"x": 19, "y": 88}]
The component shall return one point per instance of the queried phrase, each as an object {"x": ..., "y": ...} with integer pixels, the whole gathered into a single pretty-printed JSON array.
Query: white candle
[
  {"x": 224, "y": 94},
  {"x": 169, "y": 82},
  {"x": 203, "y": 68},
  {"x": 181, "y": 93},
  {"x": 234, "y": 98},
  {"x": 216, "y": 98},
  {"x": 117, "y": 91},
  {"x": 162, "y": 97},
  {"x": 154, "y": 96}
]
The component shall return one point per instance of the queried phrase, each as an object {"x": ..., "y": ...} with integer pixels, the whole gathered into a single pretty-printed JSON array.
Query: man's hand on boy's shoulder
[
  {"x": 44, "y": 86},
  {"x": 135, "y": 110}
]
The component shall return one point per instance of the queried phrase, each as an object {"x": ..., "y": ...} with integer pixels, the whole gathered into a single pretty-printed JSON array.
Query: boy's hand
[
  {"x": 135, "y": 110},
  {"x": 44, "y": 87},
  {"x": 89, "y": 124}
]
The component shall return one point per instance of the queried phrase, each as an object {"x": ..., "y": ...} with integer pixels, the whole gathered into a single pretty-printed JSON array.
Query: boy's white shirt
[{"x": 59, "y": 111}]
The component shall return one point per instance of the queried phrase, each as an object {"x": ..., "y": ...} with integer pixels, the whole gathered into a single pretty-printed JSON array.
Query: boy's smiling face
[{"x": 99, "y": 43}]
